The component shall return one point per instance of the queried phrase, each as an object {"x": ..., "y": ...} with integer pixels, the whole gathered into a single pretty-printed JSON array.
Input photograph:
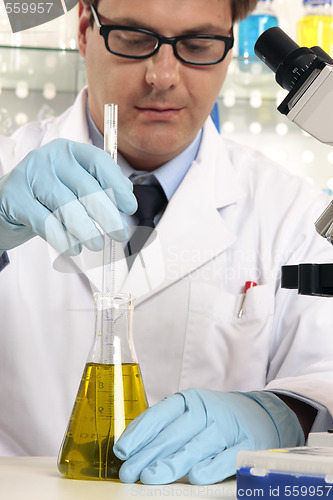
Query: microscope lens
[{"x": 283, "y": 56}]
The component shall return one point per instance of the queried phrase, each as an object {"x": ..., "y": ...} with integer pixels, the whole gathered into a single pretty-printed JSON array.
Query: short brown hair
[
  {"x": 239, "y": 8},
  {"x": 242, "y": 8}
]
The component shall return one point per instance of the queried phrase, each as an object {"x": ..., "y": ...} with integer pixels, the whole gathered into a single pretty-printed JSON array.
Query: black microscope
[{"x": 307, "y": 73}]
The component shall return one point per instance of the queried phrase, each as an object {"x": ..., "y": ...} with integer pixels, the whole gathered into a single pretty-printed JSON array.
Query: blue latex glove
[
  {"x": 58, "y": 191},
  {"x": 199, "y": 433}
]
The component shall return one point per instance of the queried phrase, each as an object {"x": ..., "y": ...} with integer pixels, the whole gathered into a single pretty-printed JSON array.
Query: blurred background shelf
[{"x": 36, "y": 83}]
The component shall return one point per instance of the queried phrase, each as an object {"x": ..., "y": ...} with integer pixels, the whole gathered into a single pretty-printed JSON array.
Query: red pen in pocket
[{"x": 248, "y": 284}]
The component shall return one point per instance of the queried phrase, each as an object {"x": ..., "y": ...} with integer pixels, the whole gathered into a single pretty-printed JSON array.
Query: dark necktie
[{"x": 151, "y": 200}]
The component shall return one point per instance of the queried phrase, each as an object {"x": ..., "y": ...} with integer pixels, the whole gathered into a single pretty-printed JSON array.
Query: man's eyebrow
[{"x": 205, "y": 29}]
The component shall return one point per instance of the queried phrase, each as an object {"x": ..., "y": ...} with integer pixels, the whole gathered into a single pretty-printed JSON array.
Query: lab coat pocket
[
  {"x": 258, "y": 302},
  {"x": 223, "y": 351}
]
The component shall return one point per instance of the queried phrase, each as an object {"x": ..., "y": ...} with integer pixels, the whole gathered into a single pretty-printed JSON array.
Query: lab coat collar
[
  {"x": 225, "y": 184},
  {"x": 72, "y": 124}
]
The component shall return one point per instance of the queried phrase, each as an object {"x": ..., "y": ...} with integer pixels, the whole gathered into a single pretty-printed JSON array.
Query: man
[{"x": 231, "y": 216}]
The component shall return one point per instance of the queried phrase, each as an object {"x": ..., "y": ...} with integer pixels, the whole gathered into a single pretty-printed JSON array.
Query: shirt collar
[{"x": 169, "y": 175}]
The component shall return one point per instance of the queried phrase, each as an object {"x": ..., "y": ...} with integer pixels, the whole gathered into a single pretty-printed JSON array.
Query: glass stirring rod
[
  {"x": 109, "y": 252},
  {"x": 110, "y": 146}
]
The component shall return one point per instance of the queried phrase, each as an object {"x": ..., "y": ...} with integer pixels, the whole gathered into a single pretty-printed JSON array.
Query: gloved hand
[
  {"x": 58, "y": 191},
  {"x": 199, "y": 433}
]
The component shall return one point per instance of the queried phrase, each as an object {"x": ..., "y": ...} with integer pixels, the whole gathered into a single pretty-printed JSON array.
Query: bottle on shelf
[
  {"x": 250, "y": 28},
  {"x": 316, "y": 25}
]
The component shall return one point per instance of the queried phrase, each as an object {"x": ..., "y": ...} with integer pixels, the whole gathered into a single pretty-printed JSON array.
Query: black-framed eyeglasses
[{"x": 139, "y": 43}]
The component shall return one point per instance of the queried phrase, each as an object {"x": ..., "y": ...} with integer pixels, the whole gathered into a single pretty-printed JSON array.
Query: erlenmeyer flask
[{"x": 110, "y": 396}]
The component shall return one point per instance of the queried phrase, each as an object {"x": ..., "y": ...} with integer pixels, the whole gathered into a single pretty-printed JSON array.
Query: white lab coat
[{"x": 235, "y": 217}]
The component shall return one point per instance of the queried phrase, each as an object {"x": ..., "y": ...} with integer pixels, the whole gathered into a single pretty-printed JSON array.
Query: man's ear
[{"x": 83, "y": 26}]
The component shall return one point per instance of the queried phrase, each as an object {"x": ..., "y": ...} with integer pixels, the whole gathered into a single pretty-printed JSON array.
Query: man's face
[{"x": 162, "y": 102}]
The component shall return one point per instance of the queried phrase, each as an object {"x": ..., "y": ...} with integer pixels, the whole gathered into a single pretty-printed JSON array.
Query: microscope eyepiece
[{"x": 283, "y": 56}]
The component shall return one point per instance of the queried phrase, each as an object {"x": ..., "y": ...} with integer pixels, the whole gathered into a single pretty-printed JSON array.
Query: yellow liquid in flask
[{"x": 108, "y": 399}]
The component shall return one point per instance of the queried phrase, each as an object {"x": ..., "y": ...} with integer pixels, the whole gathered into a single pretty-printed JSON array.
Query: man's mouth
[{"x": 163, "y": 113}]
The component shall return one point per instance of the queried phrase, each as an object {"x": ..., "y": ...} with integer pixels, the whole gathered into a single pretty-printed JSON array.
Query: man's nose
[{"x": 163, "y": 69}]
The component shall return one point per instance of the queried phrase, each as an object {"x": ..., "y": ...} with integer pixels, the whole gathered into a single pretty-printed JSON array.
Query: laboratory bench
[{"x": 37, "y": 478}]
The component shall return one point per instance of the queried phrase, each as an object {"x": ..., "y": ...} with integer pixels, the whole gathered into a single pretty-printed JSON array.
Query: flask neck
[{"x": 113, "y": 343}]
